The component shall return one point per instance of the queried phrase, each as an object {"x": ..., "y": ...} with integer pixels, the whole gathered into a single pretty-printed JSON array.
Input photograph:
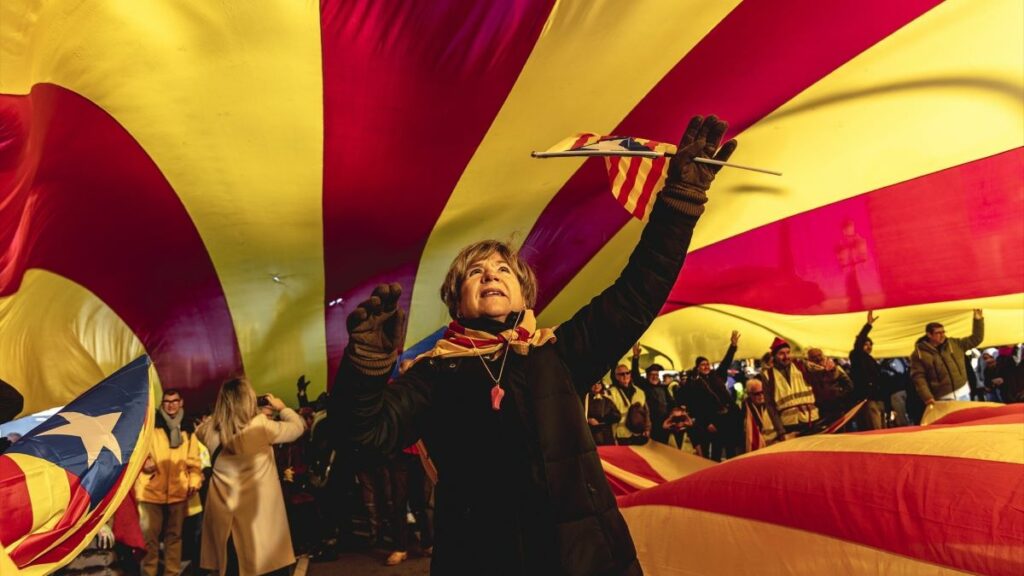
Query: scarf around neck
[
  {"x": 460, "y": 340},
  {"x": 173, "y": 427},
  {"x": 518, "y": 333}
]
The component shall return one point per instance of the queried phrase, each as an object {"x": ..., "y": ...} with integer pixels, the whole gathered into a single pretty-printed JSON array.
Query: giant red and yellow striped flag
[
  {"x": 632, "y": 468},
  {"x": 942, "y": 499},
  {"x": 217, "y": 184}
]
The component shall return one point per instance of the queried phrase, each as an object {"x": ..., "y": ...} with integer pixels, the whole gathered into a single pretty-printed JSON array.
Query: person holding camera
[
  {"x": 676, "y": 425},
  {"x": 245, "y": 529}
]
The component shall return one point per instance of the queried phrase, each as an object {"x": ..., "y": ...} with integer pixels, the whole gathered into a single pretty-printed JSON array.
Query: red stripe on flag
[
  {"x": 81, "y": 198},
  {"x": 581, "y": 140},
  {"x": 770, "y": 46},
  {"x": 614, "y": 168},
  {"x": 955, "y": 512},
  {"x": 1009, "y": 414},
  {"x": 14, "y": 502},
  {"x": 60, "y": 552},
  {"x": 38, "y": 543},
  {"x": 460, "y": 60},
  {"x": 653, "y": 179},
  {"x": 627, "y": 459},
  {"x": 752, "y": 432},
  {"x": 630, "y": 181},
  {"x": 855, "y": 251}
]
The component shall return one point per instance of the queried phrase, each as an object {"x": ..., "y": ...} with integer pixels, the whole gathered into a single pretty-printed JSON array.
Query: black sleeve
[
  {"x": 615, "y": 319},
  {"x": 371, "y": 414},
  {"x": 723, "y": 367},
  {"x": 11, "y": 402},
  {"x": 639, "y": 380},
  {"x": 862, "y": 337}
]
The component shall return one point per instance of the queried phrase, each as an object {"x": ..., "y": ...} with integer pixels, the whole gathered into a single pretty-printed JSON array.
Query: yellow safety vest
[{"x": 794, "y": 398}]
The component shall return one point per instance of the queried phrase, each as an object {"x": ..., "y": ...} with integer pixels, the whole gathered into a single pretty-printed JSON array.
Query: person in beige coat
[{"x": 244, "y": 503}]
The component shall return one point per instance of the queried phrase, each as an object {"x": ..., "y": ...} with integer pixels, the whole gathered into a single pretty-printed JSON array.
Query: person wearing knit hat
[
  {"x": 718, "y": 425},
  {"x": 867, "y": 378},
  {"x": 778, "y": 344},
  {"x": 792, "y": 396}
]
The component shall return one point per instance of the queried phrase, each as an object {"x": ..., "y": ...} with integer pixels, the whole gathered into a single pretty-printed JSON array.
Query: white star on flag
[{"x": 95, "y": 432}]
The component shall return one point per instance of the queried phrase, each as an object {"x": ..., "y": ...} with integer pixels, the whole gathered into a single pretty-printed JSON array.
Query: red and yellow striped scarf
[{"x": 459, "y": 341}]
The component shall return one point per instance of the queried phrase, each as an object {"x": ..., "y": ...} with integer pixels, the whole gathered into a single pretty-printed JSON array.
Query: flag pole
[
  {"x": 646, "y": 154},
  {"x": 731, "y": 165}
]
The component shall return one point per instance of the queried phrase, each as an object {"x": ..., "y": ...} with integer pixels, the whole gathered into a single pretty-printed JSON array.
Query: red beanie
[{"x": 778, "y": 344}]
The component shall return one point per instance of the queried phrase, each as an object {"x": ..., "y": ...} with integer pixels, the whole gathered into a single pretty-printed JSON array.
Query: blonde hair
[
  {"x": 235, "y": 408},
  {"x": 451, "y": 288}
]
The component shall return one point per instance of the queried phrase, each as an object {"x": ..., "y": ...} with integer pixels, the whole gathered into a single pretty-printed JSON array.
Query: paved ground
[{"x": 370, "y": 563}]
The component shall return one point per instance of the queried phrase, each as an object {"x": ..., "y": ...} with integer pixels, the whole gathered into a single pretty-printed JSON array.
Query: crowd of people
[
  {"x": 710, "y": 410},
  {"x": 511, "y": 413},
  {"x": 242, "y": 490}
]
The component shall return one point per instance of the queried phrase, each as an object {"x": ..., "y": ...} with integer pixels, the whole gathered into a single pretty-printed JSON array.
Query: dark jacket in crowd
[
  {"x": 938, "y": 371},
  {"x": 865, "y": 371},
  {"x": 1011, "y": 387},
  {"x": 659, "y": 401},
  {"x": 521, "y": 490},
  {"x": 710, "y": 402},
  {"x": 602, "y": 409}
]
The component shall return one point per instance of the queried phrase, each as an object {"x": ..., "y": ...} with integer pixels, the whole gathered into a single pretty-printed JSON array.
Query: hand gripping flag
[{"x": 65, "y": 478}]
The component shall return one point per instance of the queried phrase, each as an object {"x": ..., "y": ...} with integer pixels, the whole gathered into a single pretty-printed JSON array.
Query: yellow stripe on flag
[
  {"x": 731, "y": 545},
  {"x": 554, "y": 95},
  {"x": 993, "y": 442},
  {"x": 58, "y": 339},
  {"x": 227, "y": 99},
  {"x": 48, "y": 491}
]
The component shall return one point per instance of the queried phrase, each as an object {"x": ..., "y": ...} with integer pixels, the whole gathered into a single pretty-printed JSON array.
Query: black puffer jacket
[{"x": 521, "y": 490}]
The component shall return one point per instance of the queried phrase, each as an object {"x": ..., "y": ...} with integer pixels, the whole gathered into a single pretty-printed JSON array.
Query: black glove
[
  {"x": 688, "y": 181},
  {"x": 301, "y": 384},
  {"x": 376, "y": 329}
]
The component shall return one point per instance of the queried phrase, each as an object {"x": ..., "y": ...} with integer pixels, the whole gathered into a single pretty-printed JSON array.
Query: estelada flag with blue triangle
[{"x": 63, "y": 480}]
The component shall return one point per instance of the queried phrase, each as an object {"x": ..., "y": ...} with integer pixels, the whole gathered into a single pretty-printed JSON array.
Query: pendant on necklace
[{"x": 497, "y": 393}]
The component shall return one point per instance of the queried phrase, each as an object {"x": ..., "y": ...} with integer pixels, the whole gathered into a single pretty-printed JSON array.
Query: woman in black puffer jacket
[{"x": 497, "y": 401}]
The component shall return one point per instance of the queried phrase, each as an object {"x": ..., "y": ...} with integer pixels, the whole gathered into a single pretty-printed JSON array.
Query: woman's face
[{"x": 490, "y": 290}]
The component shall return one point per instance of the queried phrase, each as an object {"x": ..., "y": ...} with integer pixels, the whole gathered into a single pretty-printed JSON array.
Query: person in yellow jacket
[
  {"x": 788, "y": 390},
  {"x": 625, "y": 395},
  {"x": 170, "y": 475}
]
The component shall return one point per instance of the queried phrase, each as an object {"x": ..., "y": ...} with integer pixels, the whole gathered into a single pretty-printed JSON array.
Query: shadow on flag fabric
[{"x": 65, "y": 478}]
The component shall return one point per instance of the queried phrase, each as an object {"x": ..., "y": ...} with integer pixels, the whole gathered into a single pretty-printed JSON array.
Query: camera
[{"x": 262, "y": 401}]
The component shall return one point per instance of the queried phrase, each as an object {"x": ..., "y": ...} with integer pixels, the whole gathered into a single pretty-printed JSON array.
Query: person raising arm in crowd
[
  {"x": 937, "y": 364},
  {"x": 497, "y": 400}
]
